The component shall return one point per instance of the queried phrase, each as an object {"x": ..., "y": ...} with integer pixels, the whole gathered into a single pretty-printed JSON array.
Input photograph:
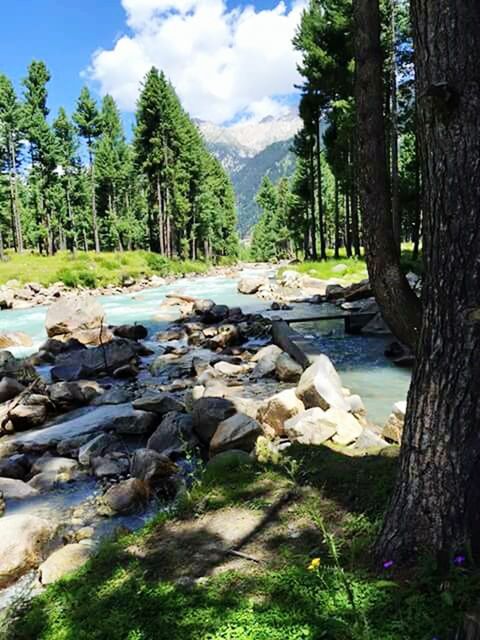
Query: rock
[
  {"x": 358, "y": 291},
  {"x": 23, "y": 540},
  {"x": 55, "y": 347},
  {"x": 66, "y": 467},
  {"x": 71, "y": 394},
  {"x": 340, "y": 269},
  {"x": 227, "y": 369},
  {"x": 64, "y": 561},
  {"x": 216, "y": 314},
  {"x": 280, "y": 408},
  {"x": 159, "y": 403},
  {"x": 18, "y": 368},
  {"x": 30, "y": 413},
  {"x": 96, "y": 447},
  {"x": 356, "y": 404},
  {"x": 250, "y": 285},
  {"x": 393, "y": 429},
  {"x": 125, "y": 372},
  {"x": 150, "y": 466},
  {"x": 334, "y": 292},
  {"x": 116, "y": 395},
  {"x": 127, "y": 496},
  {"x": 208, "y": 413},
  {"x": 192, "y": 395},
  {"x": 131, "y": 331},
  {"x": 70, "y": 317},
  {"x": 45, "y": 482},
  {"x": 310, "y": 427},
  {"x": 110, "y": 465},
  {"x": 16, "y": 489},
  {"x": 227, "y": 462},
  {"x": 120, "y": 418},
  {"x": 95, "y": 361},
  {"x": 376, "y": 327},
  {"x": 171, "y": 334},
  {"x": 237, "y": 432},
  {"x": 370, "y": 440},
  {"x": 287, "y": 369},
  {"x": 266, "y": 361},
  {"x": 174, "y": 435},
  {"x": 320, "y": 386},
  {"x": 201, "y": 307},
  {"x": 15, "y": 339},
  {"x": 70, "y": 446},
  {"x": 9, "y": 388},
  {"x": 348, "y": 427},
  {"x": 228, "y": 335},
  {"x": 15, "y": 467}
]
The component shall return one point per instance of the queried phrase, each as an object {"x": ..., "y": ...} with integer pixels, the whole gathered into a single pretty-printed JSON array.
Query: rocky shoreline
[{"x": 130, "y": 417}]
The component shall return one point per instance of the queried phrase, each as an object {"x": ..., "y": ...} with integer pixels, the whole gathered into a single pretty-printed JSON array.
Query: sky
[{"x": 228, "y": 61}]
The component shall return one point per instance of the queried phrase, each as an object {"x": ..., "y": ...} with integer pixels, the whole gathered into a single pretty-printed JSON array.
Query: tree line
[
  {"x": 324, "y": 210},
  {"x": 76, "y": 183}
]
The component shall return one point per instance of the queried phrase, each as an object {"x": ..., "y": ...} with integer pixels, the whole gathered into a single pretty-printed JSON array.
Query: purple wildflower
[
  {"x": 388, "y": 564},
  {"x": 458, "y": 561}
]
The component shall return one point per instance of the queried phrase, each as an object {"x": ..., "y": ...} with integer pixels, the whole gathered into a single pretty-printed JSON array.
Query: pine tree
[
  {"x": 10, "y": 140},
  {"x": 67, "y": 170},
  {"x": 88, "y": 121}
]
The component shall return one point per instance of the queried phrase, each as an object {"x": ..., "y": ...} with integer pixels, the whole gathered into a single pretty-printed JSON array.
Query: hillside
[{"x": 250, "y": 150}]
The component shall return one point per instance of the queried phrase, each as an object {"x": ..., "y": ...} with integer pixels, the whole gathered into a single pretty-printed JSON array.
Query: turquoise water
[{"x": 360, "y": 360}]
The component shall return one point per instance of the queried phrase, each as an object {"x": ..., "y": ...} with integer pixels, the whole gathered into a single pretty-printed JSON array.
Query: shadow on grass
[{"x": 146, "y": 587}]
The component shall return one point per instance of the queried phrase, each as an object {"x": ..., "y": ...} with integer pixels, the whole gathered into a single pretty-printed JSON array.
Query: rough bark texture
[
  {"x": 435, "y": 506},
  {"x": 400, "y": 307}
]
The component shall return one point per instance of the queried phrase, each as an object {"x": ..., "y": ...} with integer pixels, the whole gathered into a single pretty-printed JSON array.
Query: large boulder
[
  {"x": 320, "y": 386},
  {"x": 31, "y": 412},
  {"x": 287, "y": 369},
  {"x": 96, "y": 361},
  {"x": 150, "y": 466},
  {"x": 266, "y": 361},
  {"x": 174, "y": 435},
  {"x": 23, "y": 540},
  {"x": 251, "y": 284},
  {"x": 16, "y": 489},
  {"x": 64, "y": 561},
  {"x": 208, "y": 413},
  {"x": 310, "y": 427},
  {"x": 9, "y": 388},
  {"x": 16, "y": 467},
  {"x": 280, "y": 408},
  {"x": 127, "y": 496},
  {"x": 237, "y": 432},
  {"x": 160, "y": 403},
  {"x": 203, "y": 306},
  {"x": 79, "y": 317},
  {"x": 347, "y": 426}
]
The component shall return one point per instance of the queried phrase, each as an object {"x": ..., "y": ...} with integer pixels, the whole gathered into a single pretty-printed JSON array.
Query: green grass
[
  {"x": 92, "y": 270},
  {"x": 119, "y": 595}
]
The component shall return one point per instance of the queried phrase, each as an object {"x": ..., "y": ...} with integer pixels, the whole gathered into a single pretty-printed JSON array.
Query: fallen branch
[{"x": 245, "y": 556}]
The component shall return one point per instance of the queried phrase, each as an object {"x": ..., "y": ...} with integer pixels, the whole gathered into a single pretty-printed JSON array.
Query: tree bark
[
  {"x": 354, "y": 203},
  {"x": 160, "y": 218},
  {"x": 313, "y": 221},
  {"x": 14, "y": 195},
  {"x": 400, "y": 307},
  {"x": 396, "y": 220},
  {"x": 96, "y": 237},
  {"x": 434, "y": 508},
  {"x": 337, "y": 220}
]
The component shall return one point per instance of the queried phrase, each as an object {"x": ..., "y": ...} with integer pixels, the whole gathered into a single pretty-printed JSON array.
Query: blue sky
[{"x": 226, "y": 60}]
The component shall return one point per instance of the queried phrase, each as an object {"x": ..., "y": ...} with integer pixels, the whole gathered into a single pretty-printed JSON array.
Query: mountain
[{"x": 250, "y": 150}]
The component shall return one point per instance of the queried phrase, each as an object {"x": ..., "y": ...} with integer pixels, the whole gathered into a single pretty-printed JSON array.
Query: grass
[
  {"x": 92, "y": 270},
  {"x": 356, "y": 268},
  {"x": 125, "y": 593}
]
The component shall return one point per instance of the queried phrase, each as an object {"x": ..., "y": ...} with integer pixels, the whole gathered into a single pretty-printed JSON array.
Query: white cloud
[{"x": 222, "y": 62}]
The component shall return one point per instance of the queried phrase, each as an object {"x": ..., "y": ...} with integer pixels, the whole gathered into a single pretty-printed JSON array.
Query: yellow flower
[{"x": 314, "y": 564}]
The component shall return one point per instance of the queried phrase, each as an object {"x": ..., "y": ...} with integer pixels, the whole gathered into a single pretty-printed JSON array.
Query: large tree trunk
[
  {"x": 400, "y": 307},
  {"x": 313, "y": 221},
  {"x": 337, "y": 219},
  {"x": 435, "y": 506},
  {"x": 396, "y": 220},
  {"x": 354, "y": 203},
  {"x": 14, "y": 195}
]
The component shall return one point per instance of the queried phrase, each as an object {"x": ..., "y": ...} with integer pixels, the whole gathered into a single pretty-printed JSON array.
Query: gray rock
[
  {"x": 54, "y": 464},
  {"x": 16, "y": 467},
  {"x": 95, "y": 361},
  {"x": 368, "y": 439},
  {"x": 96, "y": 447},
  {"x": 150, "y": 466},
  {"x": 320, "y": 386},
  {"x": 131, "y": 331},
  {"x": 174, "y": 435},
  {"x": 116, "y": 395},
  {"x": 9, "y": 388},
  {"x": 70, "y": 394},
  {"x": 251, "y": 285},
  {"x": 16, "y": 489},
  {"x": 203, "y": 306},
  {"x": 159, "y": 403},
  {"x": 46, "y": 481},
  {"x": 19, "y": 368},
  {"x": 208, "y": 413},
  {"x": 287, "y": 370},
  {"x": 32, "y": 412},
  {"x": 138, "y": 422},
  {"x": 23, "y": 541},
  {"x": 109, "y": 465},
  {"x": 237, "y": 432},
  {"x": 266, "y": 361},
  {"x": 127, "y": 496},
  {"x": 216, "y": 314}
]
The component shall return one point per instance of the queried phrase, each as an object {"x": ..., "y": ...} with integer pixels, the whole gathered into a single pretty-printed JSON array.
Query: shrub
[{"x": 68, "y": 277}]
